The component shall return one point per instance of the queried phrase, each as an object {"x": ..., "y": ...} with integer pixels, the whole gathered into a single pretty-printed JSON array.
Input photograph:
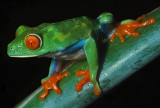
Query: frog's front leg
[
  {"x": 55, "y": 74},
  {"x": 90, "y": 75}
]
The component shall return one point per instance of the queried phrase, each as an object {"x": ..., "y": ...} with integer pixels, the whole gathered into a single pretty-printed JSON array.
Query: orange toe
[
  {"x": 97, "y": 91},
  {"x": 84, "y": 80}
]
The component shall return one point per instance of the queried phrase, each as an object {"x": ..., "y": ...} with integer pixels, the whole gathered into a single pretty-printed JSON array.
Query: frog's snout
[{"x": 10, "y": 49}]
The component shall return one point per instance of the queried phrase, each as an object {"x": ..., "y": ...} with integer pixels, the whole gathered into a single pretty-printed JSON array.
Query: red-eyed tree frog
[{"x": 72, "y": 39}]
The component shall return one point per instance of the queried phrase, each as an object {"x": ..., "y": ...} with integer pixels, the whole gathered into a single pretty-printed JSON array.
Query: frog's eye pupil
[{"x": 32, "y": 42}]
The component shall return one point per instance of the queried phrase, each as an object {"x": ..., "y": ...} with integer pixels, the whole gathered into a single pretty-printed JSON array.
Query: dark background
[{"x": 20, "y": 77}]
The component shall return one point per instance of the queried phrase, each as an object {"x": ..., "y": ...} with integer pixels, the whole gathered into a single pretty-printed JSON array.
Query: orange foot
[
  {"x": 128, "y": 28},
  {"x": 85, "y": 80},
  {"x": 51, "y": 83}
]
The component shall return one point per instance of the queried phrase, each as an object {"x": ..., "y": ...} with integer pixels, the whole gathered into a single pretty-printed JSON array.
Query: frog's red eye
[{"x": 32, "y": 42}]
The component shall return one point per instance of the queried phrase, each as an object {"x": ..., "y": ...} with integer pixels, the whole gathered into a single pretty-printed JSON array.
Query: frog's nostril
[{"x": 11, "y": 48}]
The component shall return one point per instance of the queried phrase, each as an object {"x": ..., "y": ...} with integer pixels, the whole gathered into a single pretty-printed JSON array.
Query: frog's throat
[{"x": 27, "y": 56}]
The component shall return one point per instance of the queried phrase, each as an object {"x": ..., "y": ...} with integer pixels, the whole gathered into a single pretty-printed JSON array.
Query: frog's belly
[{"x": 75, "y": 55}]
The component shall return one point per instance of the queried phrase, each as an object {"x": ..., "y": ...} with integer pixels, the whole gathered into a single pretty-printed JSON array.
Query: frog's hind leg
[{"x": 128, "y": 27}]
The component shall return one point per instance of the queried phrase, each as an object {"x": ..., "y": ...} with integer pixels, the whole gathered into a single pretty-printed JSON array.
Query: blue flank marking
[
  {"x": 55, "y": 66},
  {"x": 61, "y": 49},
  {"x": 80, "y": 44},
  {"x": 52, "y": 67}
]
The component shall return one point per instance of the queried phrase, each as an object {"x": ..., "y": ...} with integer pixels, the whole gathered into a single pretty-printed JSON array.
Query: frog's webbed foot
[
  {"x": 86, "y": 78},
  {"x": 51, "y": 83},
  {"x": 128, "y": 27}
]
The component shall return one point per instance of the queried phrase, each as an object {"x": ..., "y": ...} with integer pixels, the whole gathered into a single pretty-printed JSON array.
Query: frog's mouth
[{"x": 26, "y": 56}]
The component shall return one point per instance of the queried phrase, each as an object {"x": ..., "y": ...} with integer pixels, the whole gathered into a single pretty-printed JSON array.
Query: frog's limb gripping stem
[
  {"x": 128, "y": 28},
  {"x": 86, "y": 78},
  {"x": 51, "y": 83}
]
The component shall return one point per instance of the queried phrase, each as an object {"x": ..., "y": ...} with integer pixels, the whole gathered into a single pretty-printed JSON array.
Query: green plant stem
[{"x": 122, "y": 60}]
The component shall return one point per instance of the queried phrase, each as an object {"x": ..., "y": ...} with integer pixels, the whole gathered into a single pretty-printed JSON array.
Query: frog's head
[{"x": 29, "y": 42}]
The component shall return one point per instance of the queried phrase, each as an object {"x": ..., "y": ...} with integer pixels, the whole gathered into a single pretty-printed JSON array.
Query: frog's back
[
  {"x": 69, "y": 32},
  {"x": 78, "y": 27}
]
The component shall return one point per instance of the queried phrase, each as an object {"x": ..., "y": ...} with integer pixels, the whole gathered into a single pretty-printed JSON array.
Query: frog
[{"x": 70, "y": 40}]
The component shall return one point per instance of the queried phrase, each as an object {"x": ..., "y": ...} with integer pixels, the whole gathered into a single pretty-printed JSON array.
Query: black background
[{"x": 20, "y": 77}]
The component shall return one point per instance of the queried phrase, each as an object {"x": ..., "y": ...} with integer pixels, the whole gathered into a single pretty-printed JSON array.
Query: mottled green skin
[{"x": 55, "y": 36}]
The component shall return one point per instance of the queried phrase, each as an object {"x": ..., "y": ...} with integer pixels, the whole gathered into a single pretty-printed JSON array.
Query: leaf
[{"x": 122, "y": 60}]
